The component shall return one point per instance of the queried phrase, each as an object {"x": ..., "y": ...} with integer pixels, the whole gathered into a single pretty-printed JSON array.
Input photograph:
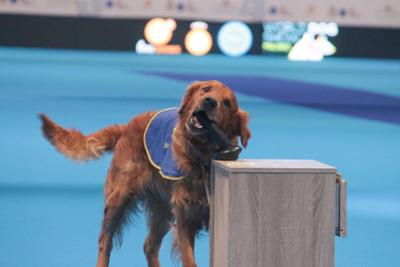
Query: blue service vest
[{"x": 158, "y": 143}]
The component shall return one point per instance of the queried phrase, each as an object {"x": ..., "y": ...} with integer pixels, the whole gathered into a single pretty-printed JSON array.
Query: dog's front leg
[{"x": 185, "y": 237}]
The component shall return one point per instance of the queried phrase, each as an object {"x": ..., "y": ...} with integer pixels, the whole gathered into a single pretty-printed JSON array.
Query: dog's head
[{"x": 220, "y": 104}]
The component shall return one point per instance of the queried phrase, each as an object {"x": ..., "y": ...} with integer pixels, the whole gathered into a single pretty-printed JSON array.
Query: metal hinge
[{"x": 341, "y": 215}]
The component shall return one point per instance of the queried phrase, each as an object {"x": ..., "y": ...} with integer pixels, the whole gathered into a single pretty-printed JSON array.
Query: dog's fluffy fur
[{"x": 132, "y": 179}]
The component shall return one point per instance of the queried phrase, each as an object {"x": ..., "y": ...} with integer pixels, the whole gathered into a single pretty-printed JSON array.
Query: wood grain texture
[
  {"x": 263, "y": 219},
  {"x": 219, "y": 218}
]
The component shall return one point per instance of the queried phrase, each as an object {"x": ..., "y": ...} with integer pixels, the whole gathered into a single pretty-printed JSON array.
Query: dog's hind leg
[
  {"x": 128, "y": 175},
  {"x": 159, "y": 217},
  {"x": 115, "y": 210},
  {"x": 121, "y": 192}
]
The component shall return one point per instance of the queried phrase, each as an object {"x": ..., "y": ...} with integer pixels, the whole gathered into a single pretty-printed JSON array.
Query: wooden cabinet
[{"x": 273, "y": 213}]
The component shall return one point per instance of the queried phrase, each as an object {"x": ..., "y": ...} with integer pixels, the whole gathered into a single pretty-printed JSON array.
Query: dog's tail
[{"x": 77, "y": 146}]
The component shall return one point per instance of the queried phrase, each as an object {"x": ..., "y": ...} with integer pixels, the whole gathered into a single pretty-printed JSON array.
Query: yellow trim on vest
[{"x": 172, "y": 178}]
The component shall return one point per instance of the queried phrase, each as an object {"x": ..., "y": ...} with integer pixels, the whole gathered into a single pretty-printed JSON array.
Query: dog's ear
[
  {"x": 190, "y": 91},
  {"x": 242, "y": 128}
]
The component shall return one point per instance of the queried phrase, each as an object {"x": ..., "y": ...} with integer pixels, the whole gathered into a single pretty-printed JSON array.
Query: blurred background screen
[{"x": 320, "y": 80}]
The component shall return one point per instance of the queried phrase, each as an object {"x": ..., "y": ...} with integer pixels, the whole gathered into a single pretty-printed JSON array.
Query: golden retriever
[{"x": 132, "y": 179}]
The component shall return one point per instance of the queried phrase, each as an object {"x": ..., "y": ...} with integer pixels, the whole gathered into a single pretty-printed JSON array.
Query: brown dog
[{"x": 132, "y": 179}]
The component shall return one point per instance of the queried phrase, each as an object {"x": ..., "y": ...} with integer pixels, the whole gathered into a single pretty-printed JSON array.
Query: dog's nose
[{"x": 210, "y": 102}]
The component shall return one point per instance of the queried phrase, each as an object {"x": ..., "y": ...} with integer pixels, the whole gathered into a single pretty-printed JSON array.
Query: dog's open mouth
[
  {"x": 195, "y": 126},
  {"x": 196, "y": 123}
]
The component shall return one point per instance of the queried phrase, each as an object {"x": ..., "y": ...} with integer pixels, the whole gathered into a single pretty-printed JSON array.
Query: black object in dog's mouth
[{"x": 226, "y": 151}]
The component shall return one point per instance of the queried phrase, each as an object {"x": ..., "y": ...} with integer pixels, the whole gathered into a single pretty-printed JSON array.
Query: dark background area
[{"x": 122, "y": 34}]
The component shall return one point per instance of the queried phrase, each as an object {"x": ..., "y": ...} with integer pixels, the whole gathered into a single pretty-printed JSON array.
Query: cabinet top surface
[{"x": 274, "y": 166}]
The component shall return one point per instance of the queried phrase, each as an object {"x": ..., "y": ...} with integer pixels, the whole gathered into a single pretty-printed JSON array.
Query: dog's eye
[
  {"x": 207, "y": 89},
  {"x": 227, "y": 103}
]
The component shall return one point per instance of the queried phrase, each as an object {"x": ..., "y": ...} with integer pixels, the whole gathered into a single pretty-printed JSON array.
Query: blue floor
[{"x": 51, "y": 208}]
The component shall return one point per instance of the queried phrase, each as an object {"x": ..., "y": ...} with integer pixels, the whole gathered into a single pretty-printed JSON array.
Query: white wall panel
[{"x": 382, "y": 13}]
